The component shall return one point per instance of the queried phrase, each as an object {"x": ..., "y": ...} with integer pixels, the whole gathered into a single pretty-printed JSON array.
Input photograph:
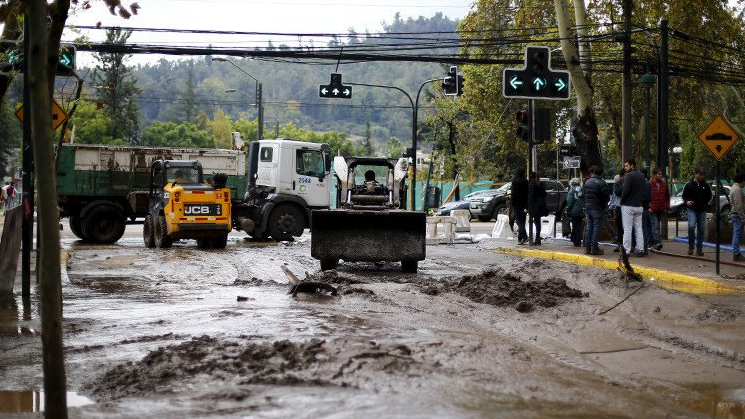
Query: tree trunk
[
  {"x": 11, "y": 32},
  {"x": 584, "y": 128},
  {"x": 40, "y": 61}
]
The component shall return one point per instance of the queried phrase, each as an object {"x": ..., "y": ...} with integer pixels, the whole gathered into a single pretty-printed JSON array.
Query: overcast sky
[{"x": 285, "y": 16}]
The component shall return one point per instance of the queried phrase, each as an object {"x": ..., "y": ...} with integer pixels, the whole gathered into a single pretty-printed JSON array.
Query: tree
[
  {"x": 222, "y": 130},
  {"x": 92, "y": 125},
  {"x": 183, "y": 135},
  {"x": 394, "y": 148},
  {"x": 117, "y": 89},
  {"x": 188, "y": 97}
]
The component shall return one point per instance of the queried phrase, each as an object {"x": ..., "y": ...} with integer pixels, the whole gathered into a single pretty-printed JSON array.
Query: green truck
[{"x": 100, "y": 188}]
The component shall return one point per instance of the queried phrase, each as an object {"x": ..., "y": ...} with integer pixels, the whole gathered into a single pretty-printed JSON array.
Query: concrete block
[
  {"x": 502, "y": 229},
  {"x": 463, "y": 219}
]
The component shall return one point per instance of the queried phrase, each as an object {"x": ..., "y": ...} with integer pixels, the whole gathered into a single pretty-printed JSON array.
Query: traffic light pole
[
  {"x": 531, "y": 166},
  {"x": 27, "y": 198}
]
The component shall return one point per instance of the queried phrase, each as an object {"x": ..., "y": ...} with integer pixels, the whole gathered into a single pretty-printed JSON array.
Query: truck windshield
[
  {"x": 309, "y": 163},
  {"x": 183, "y": 175}
]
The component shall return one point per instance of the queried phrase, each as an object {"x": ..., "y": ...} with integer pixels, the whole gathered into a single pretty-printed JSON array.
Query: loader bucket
[{"x": 368, "y": 236}]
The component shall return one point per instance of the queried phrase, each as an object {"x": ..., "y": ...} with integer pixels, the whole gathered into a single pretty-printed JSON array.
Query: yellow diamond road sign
[
  {"x": 718, "y": 137},
  {"x": 58, "y": 115}
]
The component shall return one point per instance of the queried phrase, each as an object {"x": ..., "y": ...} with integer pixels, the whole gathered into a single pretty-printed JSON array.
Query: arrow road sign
[
  {"x": 335, "y": 89},
  {"x": 718, "y": 137}
]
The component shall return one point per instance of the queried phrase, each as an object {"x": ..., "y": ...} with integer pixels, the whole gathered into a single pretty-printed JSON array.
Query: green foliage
[
  {"x": 11, "y": 138},
  {"x": 117, "y": 89},
  {"x": 92, "y": 125},
  {"x": 169, "y": 134}
]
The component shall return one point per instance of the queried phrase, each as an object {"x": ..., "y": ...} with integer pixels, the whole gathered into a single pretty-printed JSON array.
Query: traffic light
[
  {"x": 537, "y": 80},
  {"x": 542, "y": 125},
  {"x": 450, "y": 82},
  {"x": 66, "y": 63},
  {"x": 460, "y": 84},
  {"x": 523, "y": 125}
]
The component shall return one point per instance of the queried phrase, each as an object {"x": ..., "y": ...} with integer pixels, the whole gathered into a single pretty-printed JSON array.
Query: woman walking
[
  {"x": 576, "y": 210},
  {"x": 538, "y": 206}
]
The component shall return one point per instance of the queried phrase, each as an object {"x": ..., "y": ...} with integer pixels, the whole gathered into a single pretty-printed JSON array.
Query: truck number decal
[
  {"x": 203, "y": 210},
  {"x": 304, "y": 180}
]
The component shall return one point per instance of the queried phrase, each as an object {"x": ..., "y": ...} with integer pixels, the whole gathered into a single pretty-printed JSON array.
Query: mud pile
[
  {"x": 499, "y": 288},
  {"x": 204, "y": 359}
]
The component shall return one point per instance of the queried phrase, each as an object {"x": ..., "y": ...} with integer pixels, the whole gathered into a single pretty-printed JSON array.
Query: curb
[{"x": 671, "y": 280}]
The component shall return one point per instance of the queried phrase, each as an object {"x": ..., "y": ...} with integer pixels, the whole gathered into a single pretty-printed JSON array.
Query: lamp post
[
  {"x": 259, "y": 104},
  {"x": 648, "y": 81}
]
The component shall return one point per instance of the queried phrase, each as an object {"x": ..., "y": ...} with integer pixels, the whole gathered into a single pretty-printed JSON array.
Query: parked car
[
  {"x": 678, "y": 208},
  {"x": 488, "y": 207},
  {"x": 464, "y": 204}
]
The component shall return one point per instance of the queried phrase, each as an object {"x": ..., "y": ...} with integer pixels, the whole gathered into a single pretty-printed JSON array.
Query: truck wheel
[
  {"x": 284, "y": 222},
  {"x": 75, "y": 226},
  {"x": 103, "y": 224},
  {"x": 162, "y": 239},
  {"x": 148, "y": 232},
  {"x": 409, "y": 266},
  {"x": 328, "y": 264},
  {"x": 220, "y": 242}
]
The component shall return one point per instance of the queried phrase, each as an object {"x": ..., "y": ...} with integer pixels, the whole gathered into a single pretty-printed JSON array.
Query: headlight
[{"x": 488, "y": 198}]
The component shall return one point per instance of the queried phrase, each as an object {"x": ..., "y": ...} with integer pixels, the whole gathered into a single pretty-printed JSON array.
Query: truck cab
[
  {"x": 182, "y": 206},
  {"x": 287, "y": 179}
]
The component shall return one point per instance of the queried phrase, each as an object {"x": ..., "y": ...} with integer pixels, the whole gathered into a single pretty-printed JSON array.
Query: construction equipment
[
  {"x": 182, "y": 206},
  {"x": 370, "y": 223}
]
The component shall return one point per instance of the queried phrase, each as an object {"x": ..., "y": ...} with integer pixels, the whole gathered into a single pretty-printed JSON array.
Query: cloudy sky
[{"x": 278, "y": 16}]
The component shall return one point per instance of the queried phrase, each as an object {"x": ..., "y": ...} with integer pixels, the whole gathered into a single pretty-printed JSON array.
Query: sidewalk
[{"x": 671, "y": 267}]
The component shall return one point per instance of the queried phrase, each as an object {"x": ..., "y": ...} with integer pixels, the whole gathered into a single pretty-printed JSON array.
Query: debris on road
[{"x": 309, "y": 287}]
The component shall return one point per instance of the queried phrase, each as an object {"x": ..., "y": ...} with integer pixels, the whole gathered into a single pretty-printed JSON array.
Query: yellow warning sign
[
  {"x": 58, "y": 115},
  {"x": 718, "y": 137}
]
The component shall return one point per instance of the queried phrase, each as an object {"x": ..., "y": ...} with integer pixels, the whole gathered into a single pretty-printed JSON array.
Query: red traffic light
[{"x": 522, "y": 117}]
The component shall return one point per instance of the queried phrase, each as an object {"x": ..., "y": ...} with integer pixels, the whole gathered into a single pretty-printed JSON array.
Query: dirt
[{"x": 189, "y": 333}]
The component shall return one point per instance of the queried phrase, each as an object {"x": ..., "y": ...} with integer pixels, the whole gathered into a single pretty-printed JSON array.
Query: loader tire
[
  {"x": 103, "y": 224},
  {"x": 75, "y": 226},
  {"x": 285, "y": 222},
  {"x": 409, "y": 266},
  {"x": 329, "y": 264},
  {"x": 148, "y": 232},
  {"x": 219, "y": 242},
  {"x": 162, "y": 239}
]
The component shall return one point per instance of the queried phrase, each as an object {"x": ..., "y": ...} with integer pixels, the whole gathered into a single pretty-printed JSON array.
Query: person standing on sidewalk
[
  {"x": 576, "y": 210},
  {"x": 646, "y": 222},
  {"x": 538, "y": 207},
  {"x": 519, "y": 200},
  {"x": 658, "y": 206},
  {"x": 615, "y": 206},
  {"x": 631, "y": 207},
  {"x": 696, "y": 196},
  {"x": 737, "y": 214},
  {"x": 596, "y": 201}
]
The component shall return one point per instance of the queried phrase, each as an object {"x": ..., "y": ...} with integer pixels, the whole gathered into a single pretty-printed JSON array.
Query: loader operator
[{"x": 372, "y": 187}]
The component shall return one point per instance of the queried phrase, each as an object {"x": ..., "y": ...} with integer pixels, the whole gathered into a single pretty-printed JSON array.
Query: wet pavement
[{"x": 185, "y": 332}]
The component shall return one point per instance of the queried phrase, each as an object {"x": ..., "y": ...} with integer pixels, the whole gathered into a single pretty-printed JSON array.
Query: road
[{"x": 184, "y": 332}]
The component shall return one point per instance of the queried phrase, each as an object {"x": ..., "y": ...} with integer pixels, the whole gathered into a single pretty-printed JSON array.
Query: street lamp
[{"x": 259, "y": 105}]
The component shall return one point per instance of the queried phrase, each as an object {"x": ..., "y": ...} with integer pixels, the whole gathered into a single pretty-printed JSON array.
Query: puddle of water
[{"x": 27, "y": 401}]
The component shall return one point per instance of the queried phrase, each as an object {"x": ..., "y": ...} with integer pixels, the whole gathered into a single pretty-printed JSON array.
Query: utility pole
[
  {"x": 259, "y": 98},
  {"x": 626, "y": 96},
  {"x": 663, "y": 82}
]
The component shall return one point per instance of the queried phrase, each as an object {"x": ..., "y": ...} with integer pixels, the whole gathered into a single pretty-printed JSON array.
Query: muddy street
[{"x": 184, "y": 332}]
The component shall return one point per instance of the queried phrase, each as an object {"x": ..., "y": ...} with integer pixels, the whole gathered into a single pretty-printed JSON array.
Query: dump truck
[
  {"x": 94, "y": 183},
  {"x": 182, "y": 206},
  {"x": 101, "y": 188},
  {"x": 370, "y": 223}
]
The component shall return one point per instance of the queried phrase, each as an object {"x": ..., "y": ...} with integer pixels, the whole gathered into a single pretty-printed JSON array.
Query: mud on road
[{"x": 188, "y": 332}]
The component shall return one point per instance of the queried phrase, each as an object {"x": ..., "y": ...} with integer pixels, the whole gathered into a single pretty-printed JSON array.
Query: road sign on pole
[
  {"x": 536, "y": 80},
  {"x": 335, "y": 89},
  {"x": 572, "y": 162},
  {"x": 58, "y": 115},
  {"x": 718, "y": 137}
]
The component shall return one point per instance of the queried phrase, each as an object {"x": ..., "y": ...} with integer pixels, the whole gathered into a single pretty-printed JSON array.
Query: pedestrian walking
[
  {"x": 519, "y": 201},
  {"x": 9, "y": 195},
  {"x": 646, "y": 221},
  {"x": 737, "y": 214},
  {"x": 658, "y": 206},
  {"x": 615, "y": 207},
  {"x": 538, "y": 206},
  {"x": 596, "y": 201},
  {"x": 631, "y": 207},
  {"x": 576, "y": 210},
  {"x": 696, "y": 196}
]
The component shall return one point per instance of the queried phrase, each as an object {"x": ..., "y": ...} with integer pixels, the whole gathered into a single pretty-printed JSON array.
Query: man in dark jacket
[
  {"x": 631, "y": 207},
  {"x": 519, "y": 200},
  {"x": 615, "y": 205},
  {"x": 658, "y": 206},
  {"x": 696, "y": 197},
  {"x": 596, "y": 195}
]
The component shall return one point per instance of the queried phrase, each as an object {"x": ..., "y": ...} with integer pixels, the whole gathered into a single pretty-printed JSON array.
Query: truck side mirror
[{"x": 327, "y": 162}]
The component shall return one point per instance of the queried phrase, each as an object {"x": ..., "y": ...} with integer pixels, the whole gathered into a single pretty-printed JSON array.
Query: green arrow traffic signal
[
  {"x": 539, "y": 83},
  {"x": 515, "y": 82},
  {"x": 560, "y": 85}
]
